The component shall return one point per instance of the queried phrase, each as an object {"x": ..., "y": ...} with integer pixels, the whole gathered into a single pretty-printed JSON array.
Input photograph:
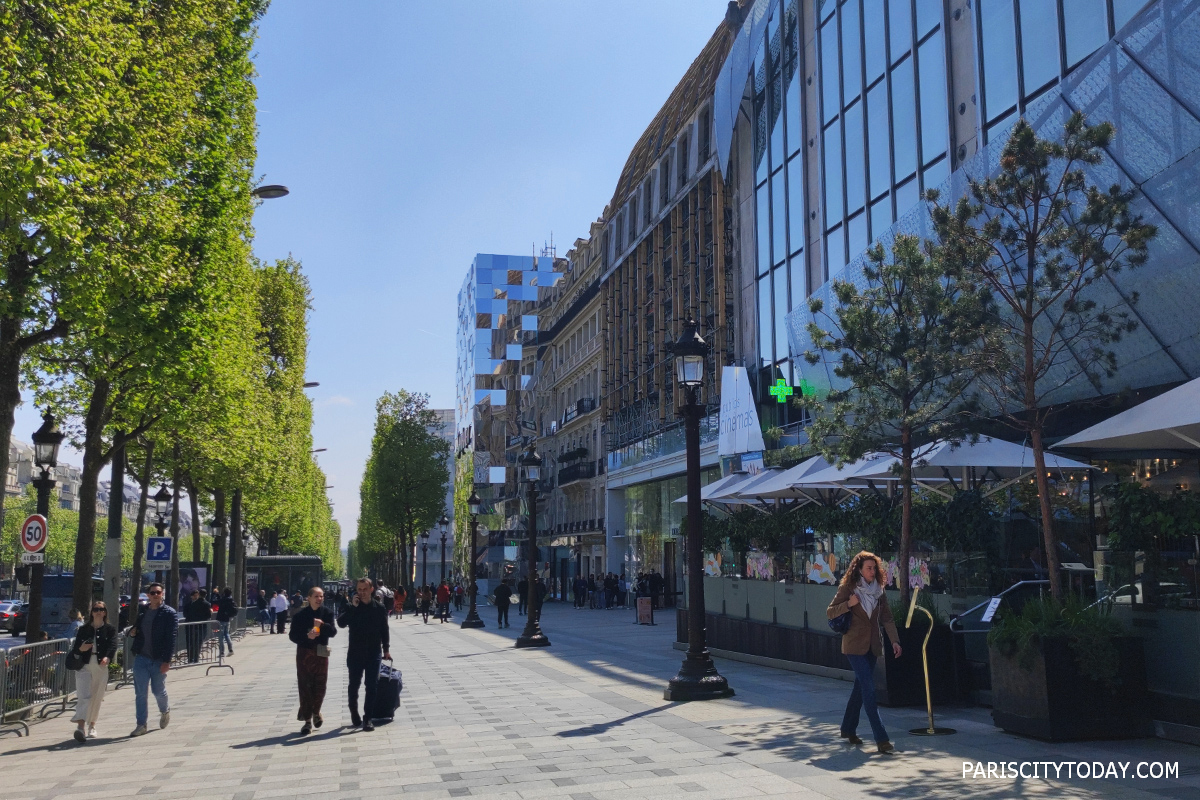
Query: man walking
[
  {"x": 226, "y": 610},
  {"x": 368, "y": 623},
  {"x": 197, "y": 610},
  {"x": 280, "y": 603},
  {"x": 503, "y": 595},
  {"x": 522, "y": 596},
  {"x": 153, "y": 633}
]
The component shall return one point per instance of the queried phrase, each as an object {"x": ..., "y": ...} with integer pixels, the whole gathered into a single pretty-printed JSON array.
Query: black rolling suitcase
[{"x": 387, "y": 696}]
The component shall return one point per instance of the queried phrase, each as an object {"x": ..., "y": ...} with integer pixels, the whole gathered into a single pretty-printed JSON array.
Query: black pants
[
  {"x": 281, "y": 618},
  {"x": 195, "y": 636},
  {"x": 521, "y": 603},
  {"x": 359, "y": 670},
  {"x": 502, "y": 614}
]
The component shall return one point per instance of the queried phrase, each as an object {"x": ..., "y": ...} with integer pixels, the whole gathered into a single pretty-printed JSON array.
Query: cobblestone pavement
[{"x": 583, "y": 719}]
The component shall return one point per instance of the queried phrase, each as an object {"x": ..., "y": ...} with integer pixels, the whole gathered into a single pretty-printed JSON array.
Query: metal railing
[
  {"x": 35, "y": 675},
  {"x": 958, "y": 618}
]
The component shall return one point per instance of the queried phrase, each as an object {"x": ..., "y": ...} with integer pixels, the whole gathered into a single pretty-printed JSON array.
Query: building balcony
[
  {"x": 576, "y": 472},
  {"x": 578, "y": 409}
]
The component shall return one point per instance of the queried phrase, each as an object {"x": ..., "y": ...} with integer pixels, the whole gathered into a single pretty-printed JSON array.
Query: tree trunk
[
  {"x": 89, "y": 479},
  {"x": 116, "y": 520},
  {"x": 194, "y": 507},
  {"x": 219, "y": 555},
  {"x": 405, "y": 561},
  {"x": 1043, "y": 487},
  {"x": 139, "y": 538},
  {"x": 176, "y": 484},
  {"x": 10, "y": 398},
  {"x": 237, "y": 578},
  {"x": 906, "y": 462}
]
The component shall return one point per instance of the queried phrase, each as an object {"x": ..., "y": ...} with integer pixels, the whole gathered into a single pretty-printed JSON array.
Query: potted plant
[{"x": 1063, "y": 672}]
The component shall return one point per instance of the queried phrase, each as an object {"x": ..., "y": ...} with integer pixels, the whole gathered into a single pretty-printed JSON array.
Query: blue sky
[{"x": 414, "y": 135}]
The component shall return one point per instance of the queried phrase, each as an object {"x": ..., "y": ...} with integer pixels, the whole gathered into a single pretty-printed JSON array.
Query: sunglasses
[
  {"x": 99, "y": 610},
  {"x": 155, "y": 591}
]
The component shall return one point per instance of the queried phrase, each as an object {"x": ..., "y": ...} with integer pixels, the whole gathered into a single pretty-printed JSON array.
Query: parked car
[
  {"x": 8, "y": 611},
  {"x": 19, "y": 619}
]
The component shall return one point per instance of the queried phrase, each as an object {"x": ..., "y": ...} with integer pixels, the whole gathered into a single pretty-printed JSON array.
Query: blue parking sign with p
[{"x": 158, "y": 549}]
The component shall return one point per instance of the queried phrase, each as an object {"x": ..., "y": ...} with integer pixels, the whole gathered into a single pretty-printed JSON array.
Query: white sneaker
[
  {"x": 164, "y": 719},
  {"x": 140, "y": 730},
  {"x": 91, "y": 732}
]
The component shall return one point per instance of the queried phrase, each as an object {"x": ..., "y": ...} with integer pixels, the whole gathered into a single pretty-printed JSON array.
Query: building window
[
  {"x": 664, "y": 181},
  {"x": 682, "y": 149},
  {"x": 703, "y": 136},
  {"x": 633, "y": 219}
]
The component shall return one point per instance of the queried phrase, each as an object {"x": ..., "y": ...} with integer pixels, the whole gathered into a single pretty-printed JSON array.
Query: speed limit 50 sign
[{"x": 33, "y": 533}]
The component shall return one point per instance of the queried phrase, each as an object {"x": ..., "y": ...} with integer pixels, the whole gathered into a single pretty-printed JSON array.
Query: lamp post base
[
  {"x": 532, "y": 636},
  {"x": 698, "y": 679},
  {"x": 472, "y": 621}
]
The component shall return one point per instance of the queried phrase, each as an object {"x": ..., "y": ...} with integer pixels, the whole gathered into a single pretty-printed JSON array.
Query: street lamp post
[
  {"x": 532, "y": 636},
  {"x": 473, "y": 620},
  {"x": 425, "y": 559},
  {"x": 698, "y": 678},
  {"x": 162, "y": 508},
  {"x": 45, "y": 455},
  {"x": 443, "y": 523}
]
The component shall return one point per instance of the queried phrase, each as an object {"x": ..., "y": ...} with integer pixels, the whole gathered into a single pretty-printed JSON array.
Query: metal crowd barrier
[
  {"x": 35, "y": 675},
  {"x": 197, "y": 645}
]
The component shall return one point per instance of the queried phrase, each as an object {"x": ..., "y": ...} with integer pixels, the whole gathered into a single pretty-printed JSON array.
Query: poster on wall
[
  {"x": 739, "y": 428},
  {"x": 193, "y": 575}
]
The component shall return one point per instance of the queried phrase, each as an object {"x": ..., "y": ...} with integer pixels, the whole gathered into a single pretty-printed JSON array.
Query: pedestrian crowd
[{"x": 610, "y": 590}]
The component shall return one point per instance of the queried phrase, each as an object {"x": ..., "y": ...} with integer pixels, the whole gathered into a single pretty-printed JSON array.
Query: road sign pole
[{"x": 33, "y": 623}]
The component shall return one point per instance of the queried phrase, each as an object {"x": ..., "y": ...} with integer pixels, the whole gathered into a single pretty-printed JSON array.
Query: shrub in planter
[{"x": 1063, "y": 672}]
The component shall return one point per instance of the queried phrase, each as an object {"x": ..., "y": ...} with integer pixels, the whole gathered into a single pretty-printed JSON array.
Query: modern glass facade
[
  {"x": 1146, "y": 82},
  {"x": 855, "y": 115}
]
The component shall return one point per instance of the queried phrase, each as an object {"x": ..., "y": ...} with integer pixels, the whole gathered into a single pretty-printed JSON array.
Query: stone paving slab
[{"x": 583, "y": 719}]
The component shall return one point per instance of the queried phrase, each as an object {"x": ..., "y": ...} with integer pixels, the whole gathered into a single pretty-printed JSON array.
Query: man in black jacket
[
  {"x": 503, "y": 595},
  {"x": 196, "y": 610},
  {"x": 368, "y": 623},
  {"x": 522, "y": 596},
  {"x": 153, "y": 634}
]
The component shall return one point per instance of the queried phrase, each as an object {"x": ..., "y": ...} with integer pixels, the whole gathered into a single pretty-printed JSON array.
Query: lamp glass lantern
[
  {"x": 690, "y": 351},
  {"x": 444, "y": 523},
  {"x": 425, "y": 537},
  {"x": 46, "y": 441},
  {"x": 474, "y": 505},
  {"x": 162, "y": 501},
  {"x": 532, "y": 464}
]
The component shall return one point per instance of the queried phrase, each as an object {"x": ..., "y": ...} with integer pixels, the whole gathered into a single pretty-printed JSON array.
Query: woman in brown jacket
[{"x": 861, "y": 594}]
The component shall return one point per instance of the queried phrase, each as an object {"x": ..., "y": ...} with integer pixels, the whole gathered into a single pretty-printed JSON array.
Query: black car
[{"x": 20, "y": 617}]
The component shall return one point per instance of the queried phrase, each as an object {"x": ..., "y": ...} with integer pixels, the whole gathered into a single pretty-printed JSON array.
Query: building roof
[{"x": 692, "y": 91}]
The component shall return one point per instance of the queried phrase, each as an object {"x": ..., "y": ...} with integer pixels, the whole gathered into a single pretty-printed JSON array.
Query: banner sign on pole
[{"x": 740, "y": 430}]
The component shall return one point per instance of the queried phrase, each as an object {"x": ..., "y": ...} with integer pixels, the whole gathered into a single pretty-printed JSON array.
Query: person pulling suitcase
[{"x": 368, "y": 623}]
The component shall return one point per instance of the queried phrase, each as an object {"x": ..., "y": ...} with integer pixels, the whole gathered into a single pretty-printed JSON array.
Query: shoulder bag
[{"x": 76, "y": 658}]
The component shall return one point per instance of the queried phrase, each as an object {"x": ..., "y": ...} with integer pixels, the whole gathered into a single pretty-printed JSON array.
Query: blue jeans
[
  {"x": 223, "y": 637},
  {"x": 358, "y": 670},
  {"x": 147, "y": 673},
  {"x": 863, "y": 696}
]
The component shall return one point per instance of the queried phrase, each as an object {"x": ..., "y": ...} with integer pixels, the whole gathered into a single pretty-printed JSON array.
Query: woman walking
[
  {"x": 861, "y": 595},
  {"x": 312, "y": 626},
  {"x": 424, "y": 598},
  {"x": 96, "y": 640},
  {"x": 401, "y": 598}
]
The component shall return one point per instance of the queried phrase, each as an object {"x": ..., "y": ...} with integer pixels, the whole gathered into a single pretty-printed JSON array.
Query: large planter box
[
  {"x": 1054, "y": 701},
  {"x": 901, "y": 682}
]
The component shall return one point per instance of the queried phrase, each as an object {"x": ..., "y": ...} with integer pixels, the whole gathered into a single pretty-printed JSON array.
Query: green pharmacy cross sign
[{"x": 781, "y": 390}]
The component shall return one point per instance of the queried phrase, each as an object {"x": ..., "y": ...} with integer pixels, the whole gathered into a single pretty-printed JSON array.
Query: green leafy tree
[
  {"x": 404, "y": 485},
  {"x": 904, "y": 344},
  {"x": 1039, "y": 236}
]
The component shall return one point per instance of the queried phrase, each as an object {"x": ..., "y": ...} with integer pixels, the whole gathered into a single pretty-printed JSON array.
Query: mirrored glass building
[{"x": 835, "y": 115}]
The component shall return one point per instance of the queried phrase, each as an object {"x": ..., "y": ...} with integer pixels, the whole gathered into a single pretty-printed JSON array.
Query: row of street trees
[
  {"x": 403, "y": 490},
  {"x": 985, "y": 320},
  {"x": 130, "y": 302}
]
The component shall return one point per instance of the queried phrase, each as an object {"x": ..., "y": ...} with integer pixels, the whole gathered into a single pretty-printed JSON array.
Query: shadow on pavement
[{"x": 604, "y": 727}]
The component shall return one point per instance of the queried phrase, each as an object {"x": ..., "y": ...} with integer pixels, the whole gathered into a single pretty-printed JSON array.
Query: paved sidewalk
[{"x": 583, "y": 719}]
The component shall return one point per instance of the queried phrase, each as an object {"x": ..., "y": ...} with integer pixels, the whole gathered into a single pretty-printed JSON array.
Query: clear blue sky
[{"x": 415, "y": 135}]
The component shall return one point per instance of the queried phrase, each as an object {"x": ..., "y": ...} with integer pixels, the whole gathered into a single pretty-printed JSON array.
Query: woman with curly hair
[{"x": 861, "y": 595}]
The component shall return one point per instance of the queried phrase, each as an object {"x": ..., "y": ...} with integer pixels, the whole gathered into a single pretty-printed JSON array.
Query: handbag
[
  {"x": 840, "y": 624},
  {"x": 323, "y": 651},
  {"x": 76, "y": 658}
]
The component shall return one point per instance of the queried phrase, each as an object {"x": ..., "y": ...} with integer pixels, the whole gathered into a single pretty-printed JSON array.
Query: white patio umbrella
[
  {"x": 729, "y": 481},
  {"x": 786, "y": 485},
  {"x": 730, "y": 495},
  {"x": 1167, "y": 423},
  {"x": 944, "y": 462}
]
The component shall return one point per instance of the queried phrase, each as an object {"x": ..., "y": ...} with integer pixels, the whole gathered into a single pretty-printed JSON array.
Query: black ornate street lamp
[
  {"x": 444, "y": 523},
  {"x": 532, "y": 636},
  {"x": 46, "y": 441},
  {"x": 473, "y": 620},
  {"x": 425, "y": 559},
  {"x": 698, "y": 678}
]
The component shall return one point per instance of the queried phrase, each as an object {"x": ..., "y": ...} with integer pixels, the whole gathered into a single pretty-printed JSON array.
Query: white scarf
[{"x": 868, "y": 595}]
